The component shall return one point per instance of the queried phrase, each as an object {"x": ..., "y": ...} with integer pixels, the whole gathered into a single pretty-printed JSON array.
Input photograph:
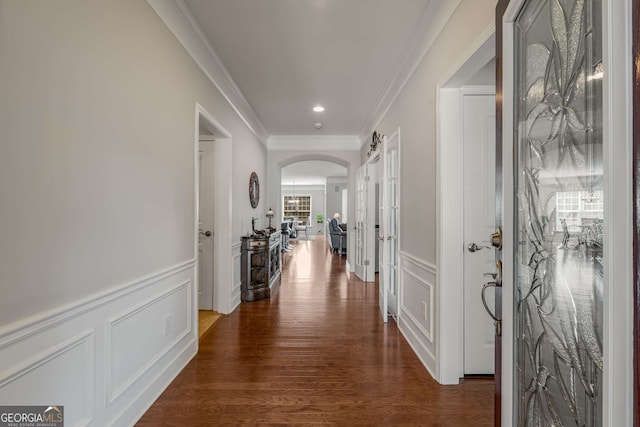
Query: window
[
  {"x": 297, "y": 206},
  {"x": 578, "y": 209}
]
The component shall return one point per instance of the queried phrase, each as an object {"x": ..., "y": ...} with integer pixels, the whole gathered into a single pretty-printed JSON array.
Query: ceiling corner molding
[
  {"x": 177, "y": 17},
  {"x": 433, "y": 19},
  {"x": 313, "y": 142}
]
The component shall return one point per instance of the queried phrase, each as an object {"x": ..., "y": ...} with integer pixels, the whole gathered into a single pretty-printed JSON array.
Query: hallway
[{"x": 315, "y": 353}]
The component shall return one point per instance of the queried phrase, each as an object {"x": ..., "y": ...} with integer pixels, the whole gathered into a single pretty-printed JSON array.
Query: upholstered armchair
[{"x": 338, "y": 237}]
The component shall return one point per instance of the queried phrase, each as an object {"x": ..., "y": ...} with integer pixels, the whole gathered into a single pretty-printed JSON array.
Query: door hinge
[
  {"x": 367, "y": 178},
  {"x": 366, "y": 262}
]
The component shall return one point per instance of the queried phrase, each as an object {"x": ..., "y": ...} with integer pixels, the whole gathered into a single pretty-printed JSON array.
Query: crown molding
[
  {"x": 178, "y": 18},
  {"x": 313, "y": 142},
  {"x": 433, "y": 19}
]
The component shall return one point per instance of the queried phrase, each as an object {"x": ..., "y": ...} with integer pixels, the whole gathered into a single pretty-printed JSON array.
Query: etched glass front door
[{"x": 559, "y": 213}]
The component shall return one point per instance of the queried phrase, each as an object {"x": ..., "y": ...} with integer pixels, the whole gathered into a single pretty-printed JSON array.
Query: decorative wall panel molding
[
  {"x": 105, "y": 358},
  {"x": 69, "y": 366},
  {"x": 129, "y": 357},
  {"x": 417, "y": 319},
  {"x": 21, "y": 329}
]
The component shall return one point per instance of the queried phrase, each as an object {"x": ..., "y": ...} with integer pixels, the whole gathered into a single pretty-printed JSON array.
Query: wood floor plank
[{"x": 315, "y": 353}]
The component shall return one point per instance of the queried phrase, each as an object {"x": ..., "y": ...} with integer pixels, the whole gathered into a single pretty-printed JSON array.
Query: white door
[
  {"x": 205, "y": 225},
  {"x": 389, "y": 229},
  {"x": 479, "y": 223},
  {"x": 370, "y": 221},
  {"x": 360, "y": 223}
]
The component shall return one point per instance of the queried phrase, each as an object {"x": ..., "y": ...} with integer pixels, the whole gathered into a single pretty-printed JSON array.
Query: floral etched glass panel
[{"x": 559, "y": 213}]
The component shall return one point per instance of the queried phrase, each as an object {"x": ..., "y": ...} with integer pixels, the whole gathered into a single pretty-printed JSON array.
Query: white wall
[
  {"x": 334, "y": 198},
  {"x": 414, "y": 111},
  {"x": 97, "y": 104}
]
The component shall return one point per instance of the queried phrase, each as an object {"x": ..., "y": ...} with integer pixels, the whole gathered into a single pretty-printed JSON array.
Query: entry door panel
[{"x": 559, "y": 213}]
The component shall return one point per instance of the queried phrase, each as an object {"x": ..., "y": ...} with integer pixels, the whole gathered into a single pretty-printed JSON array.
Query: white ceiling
[
  {"x": 311, "y": 172},
  {"x": 286, "y": 56}
]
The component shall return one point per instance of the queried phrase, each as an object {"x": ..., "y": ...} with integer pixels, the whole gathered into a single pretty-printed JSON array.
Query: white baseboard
[
  {"x": 105, "y": 358},
  {"x": 237, "y": 276}
]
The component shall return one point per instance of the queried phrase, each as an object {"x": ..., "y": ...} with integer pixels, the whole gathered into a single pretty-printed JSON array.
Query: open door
[
  {"x": 359, "y": 228},
  {"x": 389, "y": 225},
  {"x": 383, "y": 233},
  {"x": 555, "y": 201}
]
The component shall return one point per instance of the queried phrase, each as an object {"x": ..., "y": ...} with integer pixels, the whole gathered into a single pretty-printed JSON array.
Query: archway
[{"x": 280, "y": 158}]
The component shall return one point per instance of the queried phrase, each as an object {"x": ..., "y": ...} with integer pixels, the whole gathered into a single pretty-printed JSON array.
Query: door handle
[
  {"x": 206, "y": 233},
  {"x": 473, "y": 247},
  {"x": 496, "y": 283},
  {"x": 484, "y": 299}
]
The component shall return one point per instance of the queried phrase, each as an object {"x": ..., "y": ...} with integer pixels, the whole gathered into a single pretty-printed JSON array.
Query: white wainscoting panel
[
  {"x": 237, "y": 277},
  {"x": 67, "y": 368},
  {"x": 105, "y": 358},
  {"x": 130, "y": 357},
  {"x": 417, "y": 319}
]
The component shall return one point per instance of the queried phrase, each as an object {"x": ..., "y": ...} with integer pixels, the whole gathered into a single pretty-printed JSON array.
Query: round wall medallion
[{"x": 254, "y": 190}]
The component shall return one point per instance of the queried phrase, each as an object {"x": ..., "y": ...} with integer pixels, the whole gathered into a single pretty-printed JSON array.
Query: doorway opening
[
  {"x": 378, "y": 219},
  {"x": 325, "y": 197},
  {"x": 212, "y": 225},
  {"x": 466, "y": 213},
  {"x": 311, "y": 193}
]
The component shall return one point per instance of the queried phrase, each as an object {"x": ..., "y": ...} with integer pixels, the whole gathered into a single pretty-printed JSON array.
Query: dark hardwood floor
[{"x": 317, "y": 352}]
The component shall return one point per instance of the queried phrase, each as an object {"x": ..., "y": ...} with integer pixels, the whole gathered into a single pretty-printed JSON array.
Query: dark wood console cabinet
[{"x": 260, "y": 265}]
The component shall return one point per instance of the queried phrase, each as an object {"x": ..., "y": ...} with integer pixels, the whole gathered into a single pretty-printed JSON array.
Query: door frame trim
[
  {"x": 222, "y": 218},
  {"x": 636, "y": 212},
  {"x": 618, "y": 241},
  {"x": 449, "y": 323}
]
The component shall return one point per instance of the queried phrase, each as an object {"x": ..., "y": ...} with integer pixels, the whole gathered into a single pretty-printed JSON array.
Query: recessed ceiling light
[{"x": 318, "y": 108}]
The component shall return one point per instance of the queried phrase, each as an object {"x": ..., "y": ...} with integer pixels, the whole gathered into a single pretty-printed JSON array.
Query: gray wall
[
  {"x": 414, "y": 111},
  {"x": 97, "y": 106},
  {"x": 334, "y": 198}
]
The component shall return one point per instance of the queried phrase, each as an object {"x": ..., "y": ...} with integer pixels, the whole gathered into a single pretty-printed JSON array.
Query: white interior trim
[
  {"x": 426, "y": 265},
  {"x": 29, "y": 326},
  {"x": 419, "y": 336},
  {"x": 79, "y": 339},
  {"x": 222, "y": 220},
  {"x": 476, "y": 56},
  {"x": 618, "y": 205},
  {"x": 177, "y": 17},
  {"x": 449, "y": 205},
  {"x": 236, "y": 293},
  {"x": 115, "y": 390},
  {"x": 508, "y": 232}
]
